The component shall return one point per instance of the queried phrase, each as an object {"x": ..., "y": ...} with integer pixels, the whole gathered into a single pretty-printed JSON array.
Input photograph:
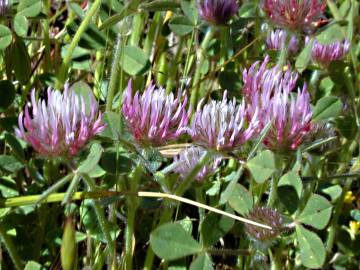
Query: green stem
[
  {"x": 71, "y": 189},
  {"x": 84, "y": 24},
  {"x": 55, "y": 187},
  {"x": 350, "y": 86},
  {"x": 132, "y": 204},
  {"x": 284, "y": 52},
  {"x": 200, "y": 61},
  {"x": 335, "y": 219},
  {"x": 174, "y": 67},
  {"x": 187, "y": 61},
  {"x": 162, "y": 67},
  {"x": 101, "y": 216},
  {"x": 10, "y": 248},
  {"x": 200, "y": 199},
  {"x": 129, "y": 234},
  {"x": 52, "y": 198},
  {"x": 257, "y": 28},
  {"x": 137, "y": 28},
  {"x": 274, "y": 181},
  {"x": 115, "y": 73},
  {"x": 153, "y": 30},
  {"x": 315, "y": 81},
  {"x": 98, "y": 73},
  {"x": 276, "y": 263},
  {"x": 273, "y": 190},
  {"x": 47, "y": 36},
  {"x": 224, "y": 37}
]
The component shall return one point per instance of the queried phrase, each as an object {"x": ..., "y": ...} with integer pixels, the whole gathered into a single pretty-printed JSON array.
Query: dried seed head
[
  {"x": 295, "y": 15},
  {"x": 267, "y": 216}
]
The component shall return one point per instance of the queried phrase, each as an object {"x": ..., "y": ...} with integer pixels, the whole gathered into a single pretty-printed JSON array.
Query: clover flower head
[
  {"x": 154, "y": 117},
  {"x": 268, "y": 91},
  {"x": 267, "y": 216},
  {"x": 261, "y": 83},
  {"x": 276, "y": 41},
  {"x": 60, "y": 126},
  {"x": 325, "y": 54},
  {"x": 222, "y": 125},
  {"x": 291, "y": 120},
  {"x": 187, "y": 160},
  {"x": 295, "y": 15},
  {"x": 217, "y": 12}
]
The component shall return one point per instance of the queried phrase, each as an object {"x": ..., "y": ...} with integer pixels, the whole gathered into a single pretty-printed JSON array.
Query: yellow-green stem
[
  {"x": 224, "y": 37},
  {"x": 284, "y": 52},
  {"x": 11, "y": 249},
  {"x": 274, "y": 182},
  {"x": 333, "y": 229},
  {"x": 115, "y": 73},
  {"x": 47, "y": 36},
  {"x": 174, "y": 67},
  {"x": 132, "y": 204},
  {"x": 84, "y": 24},
  {"x": 200, "y": 61}
]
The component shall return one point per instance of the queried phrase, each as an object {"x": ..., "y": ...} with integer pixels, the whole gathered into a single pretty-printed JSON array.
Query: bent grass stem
[{"x": 82, "y": 195}]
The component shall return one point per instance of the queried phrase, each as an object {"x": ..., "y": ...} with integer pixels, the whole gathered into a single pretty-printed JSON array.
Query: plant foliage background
[{"x": 129, "y": 197}]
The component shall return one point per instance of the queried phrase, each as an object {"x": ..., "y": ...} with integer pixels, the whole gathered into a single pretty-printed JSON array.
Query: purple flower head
[
  {"x": 268, "y": 92},
  {"x": 295, "y": 15},
  {"x": 261, "y": 83},
  {"x": 222, "y": 125},
  {"x": 325, "y": 54},
  {"x": 217, "y": 12},
  {"x": 276, "y": 41},
  {"x": 154, "y": 117},
  {"x": 62, "y": 125},
  {"x": 291, "y": 120},
  {"x": 189, "y": 157}
]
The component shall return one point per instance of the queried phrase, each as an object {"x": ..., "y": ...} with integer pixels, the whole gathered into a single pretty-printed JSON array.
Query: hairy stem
[{"x": 115, "y": 73}]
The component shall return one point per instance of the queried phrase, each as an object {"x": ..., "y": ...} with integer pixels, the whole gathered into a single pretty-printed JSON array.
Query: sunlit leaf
[
  {"x": 312, "y": 251},
  {"x": 316, "y": 213},
  {"x": 170, "y": 241},
  {"x": 262, "y": 166}
]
